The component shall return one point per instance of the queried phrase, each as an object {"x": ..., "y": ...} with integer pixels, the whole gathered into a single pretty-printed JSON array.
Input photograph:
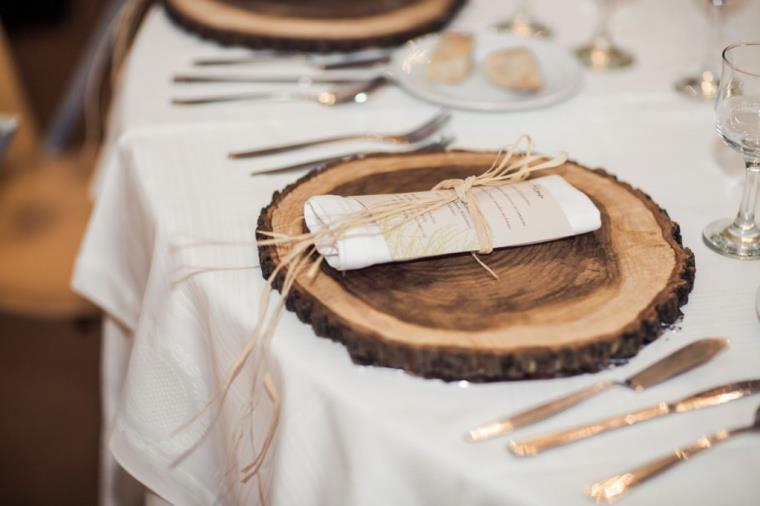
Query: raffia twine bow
[
  {"x": 299, "y": 256},
  {"x": 503, "y": 171}
]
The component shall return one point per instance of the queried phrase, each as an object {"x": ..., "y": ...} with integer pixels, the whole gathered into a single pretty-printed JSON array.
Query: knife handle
[
  {"x": 612, "y": 488},
  {"x": 235, "y": 98},
  {"x": 533, "y": 446},
  {"x": 537, "y": 413}
]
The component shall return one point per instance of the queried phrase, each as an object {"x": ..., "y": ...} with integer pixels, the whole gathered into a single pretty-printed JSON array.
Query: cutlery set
[
  {"x": 435, "y": 144},
  {"x": 346, "y": 89},
  {"x": 413, "y": 136},
  {"x": 676, "y": 363},
  {"x": 423, "y": 138}
]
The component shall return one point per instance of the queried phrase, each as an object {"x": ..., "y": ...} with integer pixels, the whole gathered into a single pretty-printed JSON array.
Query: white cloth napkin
[{"x": 366, "y": 245}]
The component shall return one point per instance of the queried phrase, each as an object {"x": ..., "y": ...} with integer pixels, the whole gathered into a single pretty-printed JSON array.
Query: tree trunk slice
[
  {"x": 558, "y": 308},
  {"x": 333, "y": 25}
]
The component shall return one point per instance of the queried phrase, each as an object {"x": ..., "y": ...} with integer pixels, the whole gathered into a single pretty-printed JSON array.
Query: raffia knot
[{"x": 463, "y": 190}]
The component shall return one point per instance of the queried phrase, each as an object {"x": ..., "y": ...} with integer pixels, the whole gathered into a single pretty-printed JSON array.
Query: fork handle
[
  {"x": 301, "y": 145},
  {"x": 537, "y": 413},
  {"x": 615, "y": 486}
]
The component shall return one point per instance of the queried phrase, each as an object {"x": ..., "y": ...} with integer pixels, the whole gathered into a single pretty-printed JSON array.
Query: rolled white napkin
[{"x": 537, "y": 210}]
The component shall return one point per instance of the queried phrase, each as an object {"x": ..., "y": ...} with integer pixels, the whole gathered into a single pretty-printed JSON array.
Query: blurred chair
[{"x": 44, "y": 207}]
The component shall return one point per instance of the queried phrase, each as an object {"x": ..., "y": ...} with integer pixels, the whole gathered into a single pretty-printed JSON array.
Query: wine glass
[
  {"x": 737, "y": 110},
  {"x": 704, "y": 85},
  {"x": 522, "y": 23},
  {"x": 601, "y": 52}
]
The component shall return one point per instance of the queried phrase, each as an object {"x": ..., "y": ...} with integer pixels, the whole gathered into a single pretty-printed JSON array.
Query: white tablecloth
[{"x": 169, "y": 256}]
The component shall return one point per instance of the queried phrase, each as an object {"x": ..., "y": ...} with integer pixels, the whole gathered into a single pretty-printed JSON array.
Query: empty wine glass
[
  {"x": 704, "y": 85},
  {"x": 523, "y": 23},
  {"x": 737, "y": 110},
  {"x": 601, "y": 52}
]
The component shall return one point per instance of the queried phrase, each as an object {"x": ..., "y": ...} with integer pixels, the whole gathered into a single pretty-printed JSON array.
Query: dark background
[{"x": 49, "y": 369}]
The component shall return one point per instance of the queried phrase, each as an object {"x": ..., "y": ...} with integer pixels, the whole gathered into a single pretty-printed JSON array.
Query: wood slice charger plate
[
  {"x": 558, "y": 308},
  {"x": 307, "y": 25}
]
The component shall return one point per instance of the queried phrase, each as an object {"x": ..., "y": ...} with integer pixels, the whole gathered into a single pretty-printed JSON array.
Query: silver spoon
[
  {"x": 612, "y": 488},
  {"x": 356, "y": 92},
  {"x": 411, "y": 137}
]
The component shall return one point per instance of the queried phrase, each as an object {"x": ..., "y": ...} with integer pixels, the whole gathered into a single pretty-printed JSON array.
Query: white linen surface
[{"x": 169, "y": 255}]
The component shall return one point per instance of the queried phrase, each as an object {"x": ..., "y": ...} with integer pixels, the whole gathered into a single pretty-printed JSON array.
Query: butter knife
[
  {"x": 707, "y": 398},
  {"x": 678, "y": 362}
]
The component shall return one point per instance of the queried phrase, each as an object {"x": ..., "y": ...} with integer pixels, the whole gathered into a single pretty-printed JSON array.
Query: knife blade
[
  {"x": 682, "y": 360},
  {"x": 672, "y": 365},
  {"x": 706, "y": 398}
]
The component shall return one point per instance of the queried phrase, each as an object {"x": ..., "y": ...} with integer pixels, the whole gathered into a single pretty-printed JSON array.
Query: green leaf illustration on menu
[{"x": 406, "y": 241}]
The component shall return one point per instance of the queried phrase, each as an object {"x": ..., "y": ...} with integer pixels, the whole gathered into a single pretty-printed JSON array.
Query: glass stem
[
  {"x": 522, "y": 13},
  {"x": 713, "y": 39},
  {"x": 603, "y": 36},
  {"x": 745, "y": 219}
]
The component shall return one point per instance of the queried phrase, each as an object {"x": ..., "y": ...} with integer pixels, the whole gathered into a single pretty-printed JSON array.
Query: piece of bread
[
  {"x": 451, "y": 61},
  {"x": 515, "y": 69}
]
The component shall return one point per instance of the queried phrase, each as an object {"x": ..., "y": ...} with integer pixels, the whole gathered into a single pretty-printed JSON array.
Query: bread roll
[
  {"x": 451, "y": 61},
  {"x": 515, "y": 69}
]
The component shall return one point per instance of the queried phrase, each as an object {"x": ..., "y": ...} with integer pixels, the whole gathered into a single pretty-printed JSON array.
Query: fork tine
[{"x": 429, "y": 127}]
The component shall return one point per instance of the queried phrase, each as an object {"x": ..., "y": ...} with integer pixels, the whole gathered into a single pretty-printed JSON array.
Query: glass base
[
  {"x": 700, "y": 87},
  {"x": 602, "y": 57},
  {"x": 526, "y": 27},
  {"x": 728, "y": 240}
]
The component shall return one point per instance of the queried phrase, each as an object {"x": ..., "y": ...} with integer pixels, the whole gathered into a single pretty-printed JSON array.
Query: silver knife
[
  {"x": 705, "y": 399},
  {"x": 678, "y": 362},
  {"x": 434, "y": 145},
  {"x": 367, "y": 61}
]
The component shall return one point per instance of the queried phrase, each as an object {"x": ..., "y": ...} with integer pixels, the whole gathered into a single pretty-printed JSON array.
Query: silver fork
[
  {"x": 436, "y": 144},
  {"x": 355, "y": 92},
  {"x": 411, "y": 137}
]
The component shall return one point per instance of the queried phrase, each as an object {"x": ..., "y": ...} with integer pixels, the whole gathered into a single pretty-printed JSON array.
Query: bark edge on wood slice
[
  {"x": 230, "y": 24},
  {"x": 560, "y": 308}
]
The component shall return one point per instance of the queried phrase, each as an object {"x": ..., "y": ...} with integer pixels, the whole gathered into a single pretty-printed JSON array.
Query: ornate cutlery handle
[
  {"x": 537, "y": 413},
  {"x": 612, "y": 488},
  {"x": 536, "y": 445}
]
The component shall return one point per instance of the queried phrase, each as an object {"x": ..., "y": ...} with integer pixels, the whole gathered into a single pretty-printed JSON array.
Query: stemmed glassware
[
  {"x": 737, "y": 110},
  {"x": 523, "y": 23},
  {"x": 705, "y": 84},
  {"x": 601, "y": 52}
]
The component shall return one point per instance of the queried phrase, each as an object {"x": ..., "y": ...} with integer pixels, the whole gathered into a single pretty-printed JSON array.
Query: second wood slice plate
[
  {"x": 558, "y": 308},
  {"x": 330, "y": 25}
]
